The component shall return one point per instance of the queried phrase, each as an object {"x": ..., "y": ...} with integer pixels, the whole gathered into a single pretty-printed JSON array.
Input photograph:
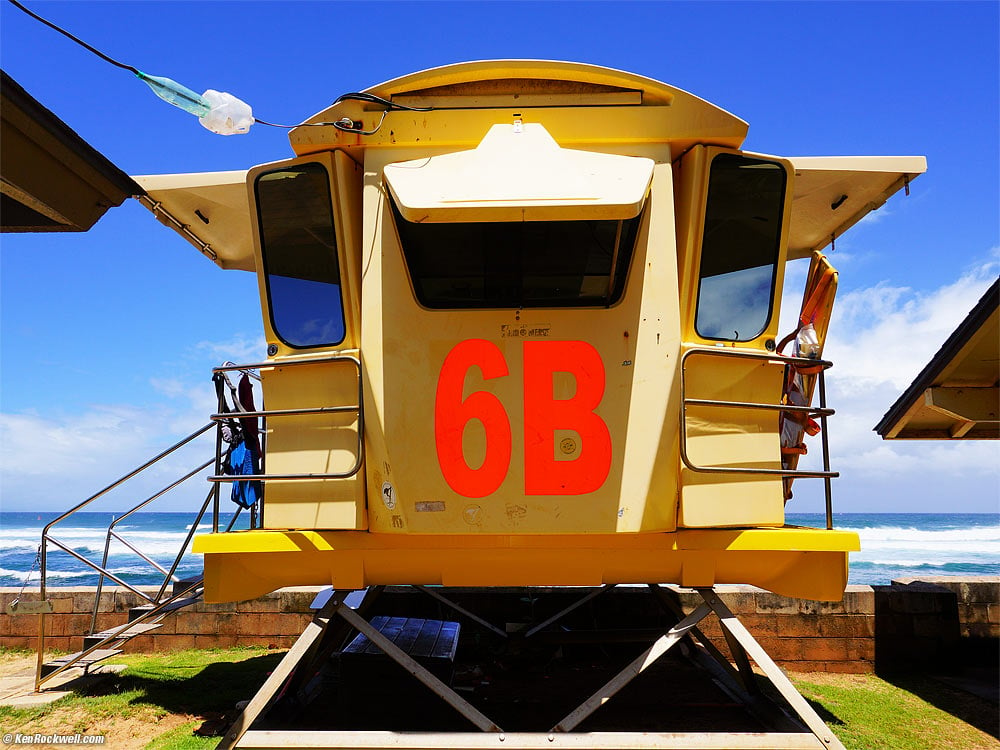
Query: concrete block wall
[
  {"x": 275, "y": 620},
  {"x": 801, "y": 635},
  {"x": 870, "y": 628},
  {"x": 978, "y": 600}
]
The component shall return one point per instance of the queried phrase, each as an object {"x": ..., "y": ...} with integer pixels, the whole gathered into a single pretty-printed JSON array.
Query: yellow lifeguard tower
[{"x": 522, "y": 330}]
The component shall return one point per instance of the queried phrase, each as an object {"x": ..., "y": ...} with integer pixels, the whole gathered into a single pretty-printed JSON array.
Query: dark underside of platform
[{"x": 524, "y": 685}]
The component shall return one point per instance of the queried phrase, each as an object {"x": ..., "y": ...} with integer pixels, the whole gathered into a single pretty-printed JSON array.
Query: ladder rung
[
  {"x": 131, "y": 632},
  {"x": 92, "y": 658},
  {"x": 135, "y": 612}
]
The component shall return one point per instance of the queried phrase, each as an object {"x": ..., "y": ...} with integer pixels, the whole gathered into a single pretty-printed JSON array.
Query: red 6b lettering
[{"x": 543, "y": 415}]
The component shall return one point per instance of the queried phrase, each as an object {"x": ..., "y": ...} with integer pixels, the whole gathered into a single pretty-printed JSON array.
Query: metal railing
[
  {"x": 102, "y": 568},
  {"x": 821, "y": 412},
  {"x": 218, "y": 477}
]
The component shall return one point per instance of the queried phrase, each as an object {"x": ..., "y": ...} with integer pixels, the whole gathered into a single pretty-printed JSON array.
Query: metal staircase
[{"x": 172, "y": 594}]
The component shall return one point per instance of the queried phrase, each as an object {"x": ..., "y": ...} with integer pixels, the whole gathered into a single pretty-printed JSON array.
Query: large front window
[
  {"x": 739, "y": 250},
  {"x": 518, "y": 264},
  {"x": 299, "y": 246}
]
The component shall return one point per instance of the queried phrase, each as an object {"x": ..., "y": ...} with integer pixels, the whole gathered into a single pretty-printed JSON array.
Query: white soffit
[
  {"x": 210, "y": 210},
  {"x": 519, "y": 173},
  {"x": 833, "y": 193}
]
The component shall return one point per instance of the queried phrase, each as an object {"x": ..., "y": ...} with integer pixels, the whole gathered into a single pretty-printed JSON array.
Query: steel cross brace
[
  {"x": 311, "y": 640},
  {"x": 741, "y": 642}
]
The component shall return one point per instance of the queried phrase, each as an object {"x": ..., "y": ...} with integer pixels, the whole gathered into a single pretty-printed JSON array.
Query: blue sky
[{"x": 107, "y": 338}]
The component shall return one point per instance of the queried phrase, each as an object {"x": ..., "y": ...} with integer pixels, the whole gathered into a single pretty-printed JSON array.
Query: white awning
[
  {"x": 211, "y": 210},
  {"x": 519, "y": 173},
  {"x": 833, "y": 193}
]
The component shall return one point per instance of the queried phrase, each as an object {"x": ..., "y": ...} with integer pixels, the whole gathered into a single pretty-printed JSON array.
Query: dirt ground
[{"x": 132, "y": 732}]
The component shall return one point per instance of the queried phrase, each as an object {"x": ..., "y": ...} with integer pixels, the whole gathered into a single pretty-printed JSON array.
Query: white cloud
[
  {"x": 56, "y": 461},
  {"x": 874, "y": 217},
  {"x": 880, "y": 338},
  {"x": 886, "y": 333},
  {"x": 239, "y": 349}
]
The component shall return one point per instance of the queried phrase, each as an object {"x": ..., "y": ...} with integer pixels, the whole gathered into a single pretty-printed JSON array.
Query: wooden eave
[
  {"x": 957, "y": 395},
  {"x": 52, "y": 180}
]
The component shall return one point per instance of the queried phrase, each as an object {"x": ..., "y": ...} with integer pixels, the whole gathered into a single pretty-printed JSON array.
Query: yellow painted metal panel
[
  {"x": 808, "y": 563},
  {"x": 406, "y": 347},
  {"x": 732, "y": 437},
  {"x": 313, "y": 444}
]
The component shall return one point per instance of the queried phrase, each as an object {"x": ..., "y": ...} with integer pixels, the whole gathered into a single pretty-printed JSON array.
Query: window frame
[
  {"x": 779, "y": 250},
  {"x": 618, "y": 291},
  {"x": 272, "y": 332}
]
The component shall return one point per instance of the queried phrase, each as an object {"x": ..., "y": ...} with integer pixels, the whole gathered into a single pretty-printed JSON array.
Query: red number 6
[{"x": 452, "y": 414}]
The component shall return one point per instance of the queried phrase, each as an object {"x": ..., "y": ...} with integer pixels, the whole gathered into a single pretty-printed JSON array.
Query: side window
[
  {"x": 299, "y": 246},
  {"x": 739, "y": 249}
]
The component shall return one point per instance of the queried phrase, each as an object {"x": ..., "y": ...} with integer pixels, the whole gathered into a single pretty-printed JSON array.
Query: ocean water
[{"x": 893, "y": 545}]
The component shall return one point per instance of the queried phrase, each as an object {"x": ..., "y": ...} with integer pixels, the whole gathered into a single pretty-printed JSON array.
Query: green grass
[
  {"x": 161, "y": 699},
  {"x": 168, "y": 694},
  {"x": 903, "y": 712}
]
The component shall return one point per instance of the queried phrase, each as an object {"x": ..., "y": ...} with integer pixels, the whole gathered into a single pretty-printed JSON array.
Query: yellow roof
[
  {"x": 212, "y": 209},
  {"x": 465, "y": 99}
]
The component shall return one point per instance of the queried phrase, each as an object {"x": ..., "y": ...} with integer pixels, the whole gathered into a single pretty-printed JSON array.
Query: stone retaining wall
[{"x": 871, "y": 628}]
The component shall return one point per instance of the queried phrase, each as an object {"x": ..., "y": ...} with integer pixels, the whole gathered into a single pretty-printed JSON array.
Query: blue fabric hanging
[{"x": 243, "y": 460}]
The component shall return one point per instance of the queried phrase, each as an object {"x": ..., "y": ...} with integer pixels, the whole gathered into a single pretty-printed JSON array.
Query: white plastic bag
[
  {"x": 228, "y": 116},
  {"x": 808, "y": 342}
]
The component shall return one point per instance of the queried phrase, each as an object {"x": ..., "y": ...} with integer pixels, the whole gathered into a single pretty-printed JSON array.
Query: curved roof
[
  {"x": 593, "y": 78},
  {"x": 671, "y": 114}
]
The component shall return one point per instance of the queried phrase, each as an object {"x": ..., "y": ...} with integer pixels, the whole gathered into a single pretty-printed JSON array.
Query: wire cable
[
  {"x": 345, "y": 125},
  {"x": 79, "y": 41}
]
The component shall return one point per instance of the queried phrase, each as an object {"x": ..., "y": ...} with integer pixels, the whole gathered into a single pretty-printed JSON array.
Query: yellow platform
[{"x": 792, "y": 561}]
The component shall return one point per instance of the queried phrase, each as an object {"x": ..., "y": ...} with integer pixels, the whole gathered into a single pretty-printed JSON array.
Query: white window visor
[{"x": 519, "y": 173}]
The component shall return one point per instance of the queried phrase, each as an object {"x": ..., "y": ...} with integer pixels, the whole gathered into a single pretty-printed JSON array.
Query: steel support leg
[
  {"x": 746, "y": 642},
  {"x": 306, "y": 642}
]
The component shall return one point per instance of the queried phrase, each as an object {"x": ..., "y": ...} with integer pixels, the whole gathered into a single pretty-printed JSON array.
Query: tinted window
[
  {"x": 740, "y": 247},
  {"x": 299, "y": 246},
  {"x": 518, "y": 264}
]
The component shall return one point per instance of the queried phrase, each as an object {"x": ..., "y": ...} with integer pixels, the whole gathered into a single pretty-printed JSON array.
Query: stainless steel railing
[
  {"x": 48, "y": 539},
  {"x": 821, "y": 412},
  {"x": 218, "y": 477}
]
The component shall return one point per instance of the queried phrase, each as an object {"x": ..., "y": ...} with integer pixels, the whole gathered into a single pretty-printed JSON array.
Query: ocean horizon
[{"x": 893, "y": 545}]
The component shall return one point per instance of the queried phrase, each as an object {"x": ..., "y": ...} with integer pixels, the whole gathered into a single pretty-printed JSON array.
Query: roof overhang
[
  {"x": 833, "y": 193},
  {"x": 957, "y": 395},
  {"x": 51, "y": 180},
  {"x": 211, "y": 210}
]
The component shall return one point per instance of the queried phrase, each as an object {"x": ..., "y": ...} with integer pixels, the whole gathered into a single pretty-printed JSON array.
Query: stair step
[
  {"x": 185, "y": 583},
  {"x": 132, "y": 632},
  {"x": 135, "y": 612},
  {"x": 92, "y": 658}
]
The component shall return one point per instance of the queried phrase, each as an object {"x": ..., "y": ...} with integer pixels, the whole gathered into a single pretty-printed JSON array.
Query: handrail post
[
  {"x": 40, "y": 656},
  {"x": 826, "y": 449},
  {"x": 218, "y": 466},
  {"x": 100, "y": 579}
]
